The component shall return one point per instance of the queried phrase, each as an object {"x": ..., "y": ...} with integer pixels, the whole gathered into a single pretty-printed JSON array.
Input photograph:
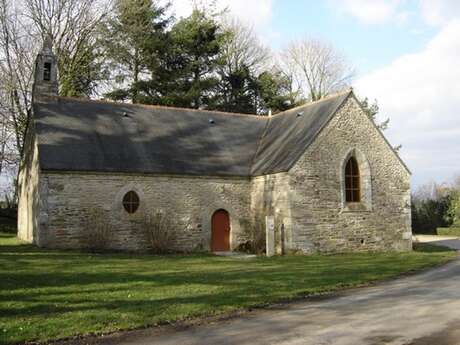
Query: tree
[
  {"x": 196, "y": 41},
  {"x": 241, "y": 58},
  {"x": 275, "y": 92},
  {"x": 183, "y": 69},
  {"x": 240, "y": 48},
  {"x": 452, "y": 216},
  {"x": 134, "y": 39},
  {"x": 247, "y": 81},
  {"x": 317, "y": 68},
  {"x": 372, "y": 111},
  {"x": 430, "y": 203},
  {"x": 235, "y": 92},
  {"x": 73, "y": 27},
  {"x": 16, "y": 65},
  {"x": 23, "y": 26}
]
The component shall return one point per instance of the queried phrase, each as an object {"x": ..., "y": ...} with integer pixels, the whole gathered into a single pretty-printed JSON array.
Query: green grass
[
  {"x": 49, "y": 294},
  {"x": 453, "y": 231}
]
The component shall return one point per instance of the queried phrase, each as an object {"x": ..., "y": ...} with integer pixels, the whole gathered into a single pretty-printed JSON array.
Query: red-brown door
[{"x": 220, "y": 235}]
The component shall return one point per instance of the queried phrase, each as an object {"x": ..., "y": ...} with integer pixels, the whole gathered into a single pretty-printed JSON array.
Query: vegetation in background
[
  {"x": 48, "y": 294},
  {"x": 137, "y": 51},
  {"x": 436, "y": 206},
  {"x": 135, "y": 41},
  {"x": 316, "y": 67},
  {"x": 24, "y": 25},
  {"x": 452, "y": 216}
]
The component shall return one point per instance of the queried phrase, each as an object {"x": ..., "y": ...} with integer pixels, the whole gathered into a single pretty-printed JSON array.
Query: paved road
[
  {"x": 446, "y": 241},
  {"x": 422, "y": 309}
]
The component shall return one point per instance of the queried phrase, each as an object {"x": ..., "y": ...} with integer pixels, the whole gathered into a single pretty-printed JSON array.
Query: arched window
[
  {"x": 131, "y": 202},
  {"x": 352, "y": 181}
]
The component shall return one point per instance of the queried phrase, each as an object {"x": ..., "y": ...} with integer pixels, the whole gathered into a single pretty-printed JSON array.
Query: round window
[{"x": 131, "y": 202}]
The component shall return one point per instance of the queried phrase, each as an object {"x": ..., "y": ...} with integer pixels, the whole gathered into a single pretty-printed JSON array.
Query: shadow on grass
[
  {"x": 90, "y": 291},
  {"x": 431, "y": 248}
]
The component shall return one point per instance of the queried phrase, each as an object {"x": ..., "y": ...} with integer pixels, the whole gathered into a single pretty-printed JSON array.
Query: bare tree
[
  {"x": 23, "y": 25},
  {"x": 16, "y": 66},
  {"x": 317, "y": 68},
  {"x": 73, "y": 26},
  {"x": 242, "y": 48}
]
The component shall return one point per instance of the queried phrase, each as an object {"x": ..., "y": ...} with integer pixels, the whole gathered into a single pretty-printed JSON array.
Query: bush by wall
[
  {"x": 97, "y": 230},
  {"x": 160, "y": 230}
]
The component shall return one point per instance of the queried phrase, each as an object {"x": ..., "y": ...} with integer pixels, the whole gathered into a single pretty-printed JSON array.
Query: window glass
[{"x": 131, "y": 202}]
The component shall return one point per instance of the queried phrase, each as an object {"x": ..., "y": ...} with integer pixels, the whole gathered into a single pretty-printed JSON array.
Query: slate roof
[{"x": 82, "y": 135}]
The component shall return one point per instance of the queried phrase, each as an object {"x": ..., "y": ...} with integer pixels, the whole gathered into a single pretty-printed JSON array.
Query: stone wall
[
  {"x": 29, "y": 196},
  {"x": 321, "y": 220},
  {"x": 271, "y": 197},
  {"x": 191, "y": 200},
  {"x": 308, "y": 202}
]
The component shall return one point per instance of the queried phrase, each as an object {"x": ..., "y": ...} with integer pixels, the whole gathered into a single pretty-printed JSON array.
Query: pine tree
[
  {"x": 196, "y": 40},
  {"x": 132, "y": 39}
]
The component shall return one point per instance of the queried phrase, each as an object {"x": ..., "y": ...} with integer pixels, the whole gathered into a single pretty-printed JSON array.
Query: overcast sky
[{"x": 406, "y": 54}]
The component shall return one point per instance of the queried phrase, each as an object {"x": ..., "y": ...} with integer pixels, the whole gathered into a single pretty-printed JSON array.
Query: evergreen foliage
[
  {"x": 134, "y": 40},
  {"x": 195, "y": 62}
]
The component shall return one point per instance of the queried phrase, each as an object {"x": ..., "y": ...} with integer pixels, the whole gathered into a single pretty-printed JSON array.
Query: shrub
[
  {"x": 428, "y": 215},
  {"x": 160, "y": 231},
  {"x": 97, "y": 230},
  {"x": 452, "y": 215}
]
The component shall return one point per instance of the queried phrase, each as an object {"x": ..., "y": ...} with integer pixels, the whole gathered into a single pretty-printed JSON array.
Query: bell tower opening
[{"x": 47, "y": 71}]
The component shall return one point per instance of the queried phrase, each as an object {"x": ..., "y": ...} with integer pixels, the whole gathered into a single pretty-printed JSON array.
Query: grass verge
[
  {"x": 50, "y": 294},
  {"x": 453, "y": 231}
]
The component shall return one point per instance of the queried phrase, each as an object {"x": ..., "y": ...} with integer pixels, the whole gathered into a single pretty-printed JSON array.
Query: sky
[{"x": 406, "y": 54}]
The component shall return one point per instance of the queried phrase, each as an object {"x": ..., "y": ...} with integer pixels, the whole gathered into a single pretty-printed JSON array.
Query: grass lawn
[
  {"x": 48, "y": 294},
  {"x": 452, "y": 231}
]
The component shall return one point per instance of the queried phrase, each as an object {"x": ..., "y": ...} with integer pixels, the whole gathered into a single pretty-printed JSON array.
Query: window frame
[
  {"x": 131, "y": 202},
  {"x": 352, "y": 181}
]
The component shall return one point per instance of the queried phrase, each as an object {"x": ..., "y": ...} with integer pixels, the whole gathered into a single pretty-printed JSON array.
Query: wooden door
[{"x": 220, "y": 234}]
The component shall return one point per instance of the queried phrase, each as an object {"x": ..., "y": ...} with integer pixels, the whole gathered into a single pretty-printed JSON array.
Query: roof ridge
[
  {"x": 315, "y": 134},
  {"x": 155, "y": 106},
  {"x": 328, "y": 97}
]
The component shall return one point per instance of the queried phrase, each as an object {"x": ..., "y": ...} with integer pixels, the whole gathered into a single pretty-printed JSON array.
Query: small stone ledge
[{"x": 355, "y": 207}]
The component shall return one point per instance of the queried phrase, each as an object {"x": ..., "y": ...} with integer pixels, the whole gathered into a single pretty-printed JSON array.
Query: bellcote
[{"x": 45, "y": 79}]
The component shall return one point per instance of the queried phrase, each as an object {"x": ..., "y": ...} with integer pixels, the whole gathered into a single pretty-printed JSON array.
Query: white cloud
[
  {"x": 258, "y": 13},
  {"x": 432, "y": 12},
  {"x": 438, "y": 12},
  {"x": 371, "y": 11},
  {"x": 420, "y": 93}
]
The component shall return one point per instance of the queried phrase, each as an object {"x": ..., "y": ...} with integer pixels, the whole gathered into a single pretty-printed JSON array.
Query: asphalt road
[
  {"x": 423, "y": 309},
  {"x": 446, "y": 241}
]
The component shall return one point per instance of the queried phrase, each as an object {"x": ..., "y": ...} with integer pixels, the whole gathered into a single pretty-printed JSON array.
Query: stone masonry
[
  {"x": 81, "y": 156},
  {"x": 307, "y": 201},
  {"x": 320, "y": 219}
]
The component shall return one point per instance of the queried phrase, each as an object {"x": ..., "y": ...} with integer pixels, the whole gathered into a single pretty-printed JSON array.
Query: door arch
[{"x": 220, "y": 231}]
